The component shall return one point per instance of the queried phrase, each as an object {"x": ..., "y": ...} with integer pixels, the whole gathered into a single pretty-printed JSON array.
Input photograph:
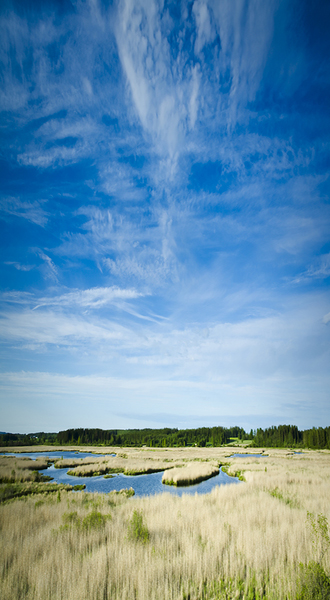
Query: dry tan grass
[
  {"x": 257, "y": 528},
  {"x": 190, "y": 473},
  {"x": 65, "y": 463},
  {"x": 129, "y": 466},
  {"x": 20, "y": 469}
]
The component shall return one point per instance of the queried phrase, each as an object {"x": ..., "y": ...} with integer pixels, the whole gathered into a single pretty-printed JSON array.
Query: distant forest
[{"x": 275, "y": 437}]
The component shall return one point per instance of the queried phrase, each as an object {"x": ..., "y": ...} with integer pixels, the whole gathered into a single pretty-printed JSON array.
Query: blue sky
[{"x": 164, "y": 214}]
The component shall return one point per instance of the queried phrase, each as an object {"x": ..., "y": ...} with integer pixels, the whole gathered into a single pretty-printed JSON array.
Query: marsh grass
[
  {"x": 65, "y": 463},
  {"x": 10, "y": 491},
  {"x": 190, "y": 474},
  {"x": 141, "y": 461},
  {"x": 14, "y": 470},
  {"x": 239, "y": 541},
  {"x": 17, "y": 479},
  {"x": 128, "y": 466}
]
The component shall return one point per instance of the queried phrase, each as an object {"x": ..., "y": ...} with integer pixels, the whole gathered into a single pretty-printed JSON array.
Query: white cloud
[
  {"x": 245, "y": 31},
  {"x": 32, "y": 211},
  {"x": 194, "y": 100},
  {"x": 48, "y": 327},
  {"x": 54, "y": 63},
  {"x": 54, "y": 157},
  {"x": 168, "y": 91},
  {"x": 19, "y": 266},
  {"x": 296, "y": 232},
  {"x": 118, "y": 181},
  {"x": 171, "y": 96},
  {"x": 34, "y": 401},
  {"x": 164, "y": 90},
  {"x": 290, "y": 344},
  {"x": 320, "y": 270},
  {"x": 92, "y": 298},
  {"x": 83, "y": 133},
  {"x": 205, "y": 31},
  {"x": 143, "y": 247},
  {"x": 49, "y": 268}
]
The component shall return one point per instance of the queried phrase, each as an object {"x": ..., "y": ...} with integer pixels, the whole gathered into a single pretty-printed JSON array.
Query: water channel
[
  {"x": 248, "y": 455},
  {"x": 143, "y": 485}
]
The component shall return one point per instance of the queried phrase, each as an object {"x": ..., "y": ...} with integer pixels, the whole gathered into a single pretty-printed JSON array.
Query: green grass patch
[
  {"x": 94, "y": 520},
  {"x": 239, "y": 474},
  {"x": 276, "y": 493},
  {"x": 137, "y": 530},
  {"x": 313, "y": 583},
  {"x": 128, "y": 493},
  {"x": 79, "y": 486}
]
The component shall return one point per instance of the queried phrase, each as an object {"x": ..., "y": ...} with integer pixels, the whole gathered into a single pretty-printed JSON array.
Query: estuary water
[{"x": 143, "y": 485}]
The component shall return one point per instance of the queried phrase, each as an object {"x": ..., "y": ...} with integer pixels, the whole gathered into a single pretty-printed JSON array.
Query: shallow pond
[
  {"x": 248, "y": 455},
  {"x": 143, "y": 485}
]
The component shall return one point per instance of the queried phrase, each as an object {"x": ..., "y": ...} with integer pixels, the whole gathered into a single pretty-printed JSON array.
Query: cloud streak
[{"x": 31, "y": 211}]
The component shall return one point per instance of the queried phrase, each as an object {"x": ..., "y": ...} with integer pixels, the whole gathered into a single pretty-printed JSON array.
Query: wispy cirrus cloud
[
  {"x": 54, "y": 157},
  {"x": 33, "y": 211},
  {"x": 125, "y": 246},
  {"x": 320, "y": 270},
  {"x": 170, "y": 93},
  {"x": 246, "y": 32},
  {"x": 19, "y": 266},
  {"x": 91, "y": 298},
  {"x": 48, "y": 327},
  {"x": 288, "y": 349},
  {"x": 160, "y": 97},
  {"x": 48, "y": 267}
]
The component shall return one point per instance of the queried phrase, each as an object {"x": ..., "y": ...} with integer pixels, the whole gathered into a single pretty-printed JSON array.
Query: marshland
[
  {"x": 112, "y": 471},
  {"x": 263, "y": 538}
]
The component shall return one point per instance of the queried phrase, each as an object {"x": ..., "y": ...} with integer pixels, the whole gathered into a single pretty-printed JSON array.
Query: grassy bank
[{"x": 241, "y": 541}]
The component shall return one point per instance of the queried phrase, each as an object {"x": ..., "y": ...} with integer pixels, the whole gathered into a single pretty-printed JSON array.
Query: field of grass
[{"x": 240, "y": 541}]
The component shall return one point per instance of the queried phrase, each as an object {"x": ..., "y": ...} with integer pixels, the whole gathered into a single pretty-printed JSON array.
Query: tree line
[
  {"x": 276, "y": 437},
  {"x": 156, "y": 438},
  {"x": 289, "y": 435}
]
